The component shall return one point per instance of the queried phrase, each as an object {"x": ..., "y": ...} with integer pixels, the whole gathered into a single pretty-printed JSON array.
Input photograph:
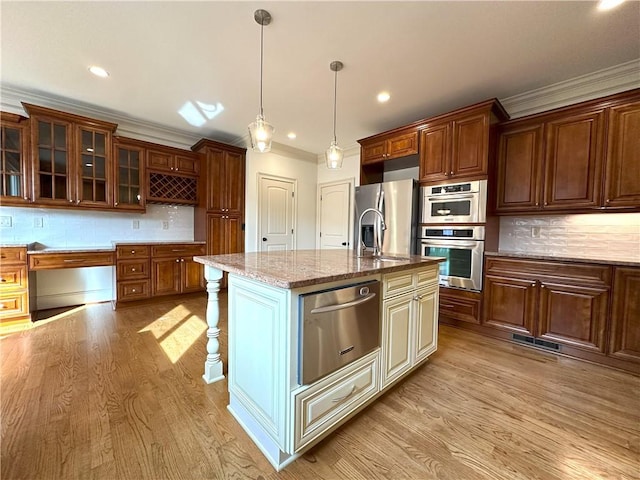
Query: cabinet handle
[
  {"x": 3, "y": 306},
  {"x": 608, "y": 200},
  {"x": 419, "y": 297},
  {"x": 133, "y": 252},
  {"x": 177, "y": 260},
  {"x": 541, "y": 286},
  {"x": 70, "y": 201},
  {"x": 337, "y": 400},
  {"x": 533, "y": 284},
  {"x": 182, "y": 259},
  {"x": 446, "y": 305},
  {"x": 450, "y": 173},
  {"x": 116, "y": 204},
  {"x": 2, "y": 280},
  {"x": 78, "y": 202},
  {"x": 133, "y": 269},
  {"x": 133, "y": 290}
]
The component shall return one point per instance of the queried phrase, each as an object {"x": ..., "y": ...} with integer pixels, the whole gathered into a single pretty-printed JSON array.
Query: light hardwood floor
[{"x": 119, "y": 395}]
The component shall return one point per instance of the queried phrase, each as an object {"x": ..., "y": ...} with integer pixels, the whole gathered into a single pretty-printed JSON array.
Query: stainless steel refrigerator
[{"x": 398, "y": 202}]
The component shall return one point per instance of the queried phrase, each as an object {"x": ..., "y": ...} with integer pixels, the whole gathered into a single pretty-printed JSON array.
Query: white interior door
[
  {"x": 276, "y": 213},
  {"x": 335, "y": 214}
]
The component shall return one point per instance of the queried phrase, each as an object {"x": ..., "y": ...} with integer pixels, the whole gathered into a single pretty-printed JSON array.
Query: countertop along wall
[{"x": 89, "y": 228}]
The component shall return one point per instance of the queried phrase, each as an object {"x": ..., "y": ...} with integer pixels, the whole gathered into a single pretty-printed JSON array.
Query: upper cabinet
[
  {"x": 14, "y": 137},
  {"x": 70, "y": 159},
  {"x": 392, "y": 145},
  {"x": 457, "y": 146},
  {"x": 622, "y": 187},
  {"x": 129, "y": 159},
  {"x": 172, "y": 175},
  {"x": 575, "y": 158}
]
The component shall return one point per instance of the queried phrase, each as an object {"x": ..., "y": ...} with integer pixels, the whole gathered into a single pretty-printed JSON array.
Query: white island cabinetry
[{"x": 282, "y": 416}]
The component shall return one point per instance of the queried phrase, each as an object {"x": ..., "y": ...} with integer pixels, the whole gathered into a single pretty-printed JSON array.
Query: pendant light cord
[
  {"x": 261, "y": 63},
  {"x": 335, "y": 101}
]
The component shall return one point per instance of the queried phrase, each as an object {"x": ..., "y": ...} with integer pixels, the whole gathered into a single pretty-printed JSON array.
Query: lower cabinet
[
  {"x": 625, "y": 315},
  {"x": 459, "y": 306},
  {"x": 153, "y": 270},
  {"x": 284, "y": 417},
  {"x": 409, "y": 322},
  {"x": 557, "y": 302},
  {"x": 14, "y": 286}
]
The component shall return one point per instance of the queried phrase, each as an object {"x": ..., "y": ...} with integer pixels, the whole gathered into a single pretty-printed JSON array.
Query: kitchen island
[{"x": 283, "y": 415}]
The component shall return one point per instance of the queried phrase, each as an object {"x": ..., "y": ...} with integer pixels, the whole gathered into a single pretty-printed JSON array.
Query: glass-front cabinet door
[
  {"x": 14, "y": 188},
  {"x": 51, "y": 140},
  {"x": 94, "y": 175},
  {"x": 129, "y": 165}
]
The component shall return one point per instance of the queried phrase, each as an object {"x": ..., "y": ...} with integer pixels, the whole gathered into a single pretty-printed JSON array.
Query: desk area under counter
[{"x": 283, "y": 414}]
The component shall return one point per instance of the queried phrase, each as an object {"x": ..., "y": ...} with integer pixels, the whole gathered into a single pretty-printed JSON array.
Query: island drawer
[
  {"x": 333, "y": 399},
  {"x": 132, "y": 251},
  {"x": 408, "y": 280}
]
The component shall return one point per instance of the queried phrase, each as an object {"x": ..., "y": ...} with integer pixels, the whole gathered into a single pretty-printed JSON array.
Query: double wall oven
[{"x": 453, "y": 218}]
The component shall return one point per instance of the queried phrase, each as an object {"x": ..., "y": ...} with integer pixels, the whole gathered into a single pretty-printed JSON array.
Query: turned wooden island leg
[{"x": 213, "y": 364}]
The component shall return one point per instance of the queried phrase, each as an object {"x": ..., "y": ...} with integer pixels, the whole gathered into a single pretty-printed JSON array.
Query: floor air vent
[{"x": 536, "y": 341}]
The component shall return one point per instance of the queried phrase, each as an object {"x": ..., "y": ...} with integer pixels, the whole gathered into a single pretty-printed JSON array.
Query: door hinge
[
  {"x": 320, "y": 234},
  {"x": 293, "y": 194},
  {"x": 292, "y": 231}
]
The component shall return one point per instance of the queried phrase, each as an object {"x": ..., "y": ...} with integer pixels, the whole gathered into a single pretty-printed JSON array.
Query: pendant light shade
[
  {"x": 334, "y": 153},
  {"x": 261, "y": 131}
]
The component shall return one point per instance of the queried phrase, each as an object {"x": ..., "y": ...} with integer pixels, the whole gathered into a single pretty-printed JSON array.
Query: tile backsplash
[
  {"x": 606, "y": 236},
  {"x": 89, "y": 228}
]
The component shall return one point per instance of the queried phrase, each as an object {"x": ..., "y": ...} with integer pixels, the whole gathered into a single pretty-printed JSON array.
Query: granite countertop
[
  {"x": 301, "y": 268},
  {"x": 14, "y": 245},
  {"x": 163, "y": 242},
  {"x": 562, "y": 258},
  {"x": 40, "y": 249}
]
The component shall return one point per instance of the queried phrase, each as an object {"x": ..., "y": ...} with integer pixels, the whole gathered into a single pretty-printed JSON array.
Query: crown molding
[
  {"x": 11, "y": 99},
  {"x": 607, "y": 81}
]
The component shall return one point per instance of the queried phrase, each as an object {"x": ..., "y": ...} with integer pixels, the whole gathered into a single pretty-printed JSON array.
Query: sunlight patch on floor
[{"x": 177, "y": 330}]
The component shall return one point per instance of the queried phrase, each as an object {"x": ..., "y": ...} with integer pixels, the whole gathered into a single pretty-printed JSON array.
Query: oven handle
[
  {"x": 449, "y": 197},
  {"x": 340, "y": 306},
  {"x": 470, "y": 245}
]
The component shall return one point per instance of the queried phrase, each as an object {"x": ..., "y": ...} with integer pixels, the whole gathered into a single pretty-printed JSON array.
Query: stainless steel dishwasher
[{"x": 337, "y": 327}]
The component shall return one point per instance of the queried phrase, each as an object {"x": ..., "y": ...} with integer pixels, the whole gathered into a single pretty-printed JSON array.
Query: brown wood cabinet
[
  {"x": 71, "y": 159},
  {"x": 559, "y": 302},
  {"x": 14, "y": 286},
  {"x": 379, "y": 148},
  {"x": 457, "y": 146},
  {"x": 172, "y": 176},
  {"x": 165, "y": 159},
  {"x": 173, "y": 270},
  {"x": 622, "y": 187},
  {"x": 459, "y": 306},
  {"x": 624, "y": 341},
  {"x": 220, "y": 214},
  {"x": 129, "y": 166},
  {"x": 557, "y": 162},
  {"x": 14, "y": 162},
  {"x": 53, "y": 261},
  {"x": 146, "y": 271}
]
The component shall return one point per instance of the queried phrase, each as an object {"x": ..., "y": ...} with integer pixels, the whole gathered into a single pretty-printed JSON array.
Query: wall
[
  {"x": 88, "y": 228},
  {"x": 606, "y": 236},
  {"x": 289, "y": 163}
]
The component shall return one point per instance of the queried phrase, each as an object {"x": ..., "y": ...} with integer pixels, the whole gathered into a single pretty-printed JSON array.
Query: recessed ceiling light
[
  {"x": 608, "y": 4},
  {"x": 291, "y": 135},
  {"x": 98, "y": 71},
  {"x": 383, "y": 97}
]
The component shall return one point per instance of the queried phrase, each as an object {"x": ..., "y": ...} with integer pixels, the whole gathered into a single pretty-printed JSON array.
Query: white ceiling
[{"x": 432, "y": 57}]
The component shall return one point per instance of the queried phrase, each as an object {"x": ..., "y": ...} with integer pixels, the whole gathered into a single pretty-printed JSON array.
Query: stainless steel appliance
[
  {"x": 337, "y": 327},
  {"x": 398, "y": 203},
  {"x": 463, "y": 248},
  {"x": 455, "y": 203}
]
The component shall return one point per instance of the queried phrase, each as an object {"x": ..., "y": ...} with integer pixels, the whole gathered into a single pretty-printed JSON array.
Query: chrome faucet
[{"x": 377, "y": 246}]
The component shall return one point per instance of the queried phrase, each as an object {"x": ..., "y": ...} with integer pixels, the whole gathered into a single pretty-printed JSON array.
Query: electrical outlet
[
  {"x": 165, "y": 225},
  {"x": 38, "y": 222},
  {"x": 136, "y": 224},
  {"x": 535, "y": 232},
  {"x": 5, "y": 221}
]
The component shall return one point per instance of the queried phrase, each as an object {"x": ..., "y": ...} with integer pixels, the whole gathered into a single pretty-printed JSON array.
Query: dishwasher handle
[{"x": 340, "y": 306}]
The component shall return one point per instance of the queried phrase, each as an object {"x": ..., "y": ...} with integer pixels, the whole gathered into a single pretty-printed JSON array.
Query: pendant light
[
  {"x": 261, "y": 131},
  {"x": 334, "y": 153}
]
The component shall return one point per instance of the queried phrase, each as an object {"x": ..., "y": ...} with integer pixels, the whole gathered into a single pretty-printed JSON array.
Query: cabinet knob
[
  {"x": 70, "y": 201},
  {"x": 450, "y": 173},
  {"x": 177, "y": 260},
  {"x": 2, "y": 280},
  {"x": 133, "y": 269},
  {"x": 133, "y": 290},
  {"x": 133, "y": 252},
  {"x": 182, "y": 259},
  {"x": 545, "y": 203},
  {"x": 533, "y": 284},
  {"x": 541, "y": 286},
  {"x": 116, "y": 204},
  {"x": 608, "y": 200}
]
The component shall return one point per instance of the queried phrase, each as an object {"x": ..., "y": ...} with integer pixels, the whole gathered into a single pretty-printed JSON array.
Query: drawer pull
[
  {"x": 2, "y": 280},
  {"x": 71, "y": 260},
  {"x": 177, "y": 249},
  {"x": 340, "y": 399},
  {"x": 446, "y": 305}
]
